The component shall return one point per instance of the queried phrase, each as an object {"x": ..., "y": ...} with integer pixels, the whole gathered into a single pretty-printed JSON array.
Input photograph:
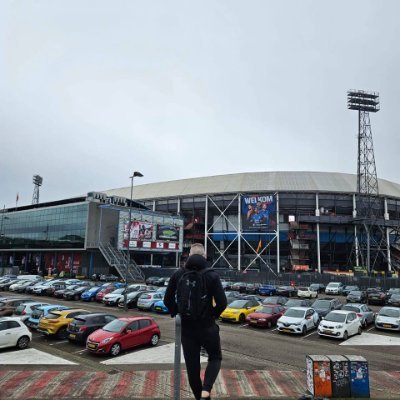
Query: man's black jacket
[{"x": 214, "y": 290}]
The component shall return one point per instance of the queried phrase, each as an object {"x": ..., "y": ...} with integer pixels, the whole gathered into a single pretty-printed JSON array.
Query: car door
[
  {"x": 145, "y": 331},
  {"x": 5, "y": 334},
  {"x": 351, "y": 324},
  {"x": 131, "y": 337},
  {"x": 309, "y": 319}
]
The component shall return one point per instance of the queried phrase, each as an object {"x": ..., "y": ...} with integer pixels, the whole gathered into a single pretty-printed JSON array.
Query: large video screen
[
  {"x": 258, "y": 212},
  {"x": 150, "y": 231}
]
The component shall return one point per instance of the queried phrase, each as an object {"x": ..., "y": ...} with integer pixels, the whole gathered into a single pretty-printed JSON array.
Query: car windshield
[
  {"x": 93, "y": 289},
  {"x": 271, "y": 300},
  {"x": 53, "y": 316},
  {"x": 19, "y": 309},
  {"x": 322, "y": 304},
  {"x": 118, "y": 291},
  {"x": 238, "y": 304},
  {"x": 314, "y": 286},
  {"x": 351, "y": 288},
  {"x": 292, "y": 312},
  {"x": 333, "y": 285},
  {"x": 355, "y": 293},
  {"x": 114, "y": 326},
  {"x": 302, "y": 288},
  {"x": 388, "y": 312},
  {"x": 395, "y": 297},
  {"x": 265, "y": 310},
  {"x": 37, "y": 313},
  {"x": 351, "y": 308},
  {"x": 293, "y": 303},
  {"x": 335, "y": 317}
]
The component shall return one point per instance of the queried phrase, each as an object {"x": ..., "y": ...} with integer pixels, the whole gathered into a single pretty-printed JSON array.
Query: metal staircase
[{"x": 118, "y": 259}]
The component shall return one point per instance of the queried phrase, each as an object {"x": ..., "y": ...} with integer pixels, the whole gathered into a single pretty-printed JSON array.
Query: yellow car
[
  {"x": 55, "y": 323},
  {"x": 238, "y": 310}
]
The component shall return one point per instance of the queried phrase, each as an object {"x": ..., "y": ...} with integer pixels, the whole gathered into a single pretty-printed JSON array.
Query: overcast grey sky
[{"x": 92, "y": 90}]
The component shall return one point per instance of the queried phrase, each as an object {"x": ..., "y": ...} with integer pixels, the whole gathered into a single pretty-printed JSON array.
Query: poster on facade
[
  {"x": 149, "y": 230},
  {"x": 258, "y": 212}
]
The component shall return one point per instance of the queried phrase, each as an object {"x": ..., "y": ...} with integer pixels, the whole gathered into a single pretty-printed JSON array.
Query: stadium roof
[{"x": 254, "y": 182}]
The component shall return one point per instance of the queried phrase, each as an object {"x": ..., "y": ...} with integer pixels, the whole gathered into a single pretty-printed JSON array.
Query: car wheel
[
  {"x": 269, "y": 324},
  {"x": 23, "y": 342},
  {"x": 152, "y": 308},
  {"x": 115, "y": 349},
  {"x": 359, "y": 332},
  {"x": 62, "y": 333},
  {"x": 365, "y": 324},
  {"x": 76, "y": 297},
  {"x": 92, "y": 299},
  {"x": 154, "y": 340},
  {"x": 345, "y": 335},
  {"x": 304, "y": 330},
  {"x": 270, "y": 293},
  {"x": 242, "y": 318}
]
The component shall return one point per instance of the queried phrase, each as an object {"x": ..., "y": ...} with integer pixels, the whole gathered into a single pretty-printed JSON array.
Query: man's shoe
[{"x": 205, "y": 398}]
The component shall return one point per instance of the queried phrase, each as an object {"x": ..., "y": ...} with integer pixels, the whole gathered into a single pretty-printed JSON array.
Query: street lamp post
[{"x": 128, "y": 258}]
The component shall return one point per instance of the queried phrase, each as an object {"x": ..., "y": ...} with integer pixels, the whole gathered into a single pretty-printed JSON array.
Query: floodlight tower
[
  {"x": 37, "y": 181},
  {"x": 371, "y": 237}
]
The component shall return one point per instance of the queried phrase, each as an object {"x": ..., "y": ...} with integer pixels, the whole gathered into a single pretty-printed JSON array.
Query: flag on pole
[
  {"x": 259, "y": 246},
  {"x": 16, "y": 199}
]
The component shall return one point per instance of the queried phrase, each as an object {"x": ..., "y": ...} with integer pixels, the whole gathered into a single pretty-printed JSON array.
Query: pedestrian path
[{"x": 231, "y": 384}]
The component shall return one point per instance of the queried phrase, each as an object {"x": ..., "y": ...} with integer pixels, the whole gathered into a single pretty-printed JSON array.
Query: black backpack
[{"x": 191, "y": 295}]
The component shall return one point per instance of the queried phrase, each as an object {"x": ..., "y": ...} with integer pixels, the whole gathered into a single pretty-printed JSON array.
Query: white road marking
[
  {"x": 157, "y": 355},
  {"x": 273, "y": 330},
  {"x": 32, "y": 356},
  {"x": 79, "y": 351},
  {"x": 52, "y": 344},
  {"x": 370, "y": 329},
  {"x": 312, "y": 333},
  {"x": 244, "y": 326},
  {"x": 370, "y": 339}
]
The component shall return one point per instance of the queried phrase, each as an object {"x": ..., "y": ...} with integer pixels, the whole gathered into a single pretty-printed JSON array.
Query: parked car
[
  {"x": 377, "y": 297},
  {"x": 394, "y": 300},
  {"x": 59, "y": 294},
  {"x": 123, "y": 334},
  {"x": 334, "y": 288},
  {"x": 297, "y": 303},
  {"x": 159, "y": 281},
  {"x": 50, "y": 290},
  {"x": 281, "y": 300},
  {"x": 306, "y": 292},
  {"x": 340, "y": 324},
  {"x": 131, "y": 299},
  {"x": 318, "y": 287},
  {"x": 265, "y": 315},
  {"x": 388, "y": 318},
  {"x": 298, "y": 320},
  {"x": 109, "y": 278},
  {"x": 83, "y": 325},
  {"x": 252, "y": 288},
  {"x": 349, "y": 288},
  {"x": 160, "y": 307},
  {"x": 7, "y": 283},
  {"x": 151, "y": 279},
  {"x": 325, "y": 306},
  {"x": 33, "y": 321},
  {"x": 8, "y": 305},
  {"x": 24, "y": 310},
  {"x": 41, "y": 289},
  {"x": 90, "y": 294},
  {"x": 14, "y": 333},
  {"x": 238, "y": 310},
  {"x": 356, "y": 296},
  {"x": 105, "y": 290},
  {"x": 288, "y": 291},
  {"x": 366, "y": 315},
  {"x": 29, "y": 289},
  {"x": 147, "y": 300},
  {"x": 55, "y": 323},
  {"x": 239, "y": 287},
  {"x": 75, "y": 294},
  {"x": 267, "y": 290},
  {"x": 112, "y": 299},
  {"x": 15, "y": 286},
  {"x": 25, "y": 286},
  {"x": 392, "y": 291},
  {"x": 232, "y": 295}
]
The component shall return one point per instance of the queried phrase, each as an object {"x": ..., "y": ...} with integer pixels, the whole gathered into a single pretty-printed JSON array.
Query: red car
[
  {"x": 122, "y": 334},
  {"x": 103, "y": 292},
  {"x": 266, "y": 315}
]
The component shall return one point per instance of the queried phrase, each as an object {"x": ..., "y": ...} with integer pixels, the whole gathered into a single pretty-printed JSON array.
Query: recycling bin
[
  {"x": 359, "y": 376},
  {"x": 340, "y": 376},
  {"x": 318, "y": 371}
]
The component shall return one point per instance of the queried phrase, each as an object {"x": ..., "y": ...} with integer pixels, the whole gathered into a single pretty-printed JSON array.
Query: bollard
[{"x": 177, "y": 359}]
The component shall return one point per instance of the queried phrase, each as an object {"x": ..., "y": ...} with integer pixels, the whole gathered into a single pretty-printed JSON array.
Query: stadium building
[{"x": 278, "y": 221}]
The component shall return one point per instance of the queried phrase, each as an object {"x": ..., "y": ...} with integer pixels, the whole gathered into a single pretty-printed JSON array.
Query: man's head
[{"x": 197, "y": 248}]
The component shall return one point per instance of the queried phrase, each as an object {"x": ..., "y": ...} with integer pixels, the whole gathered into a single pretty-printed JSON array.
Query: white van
[{"x": 30, "y": 277}]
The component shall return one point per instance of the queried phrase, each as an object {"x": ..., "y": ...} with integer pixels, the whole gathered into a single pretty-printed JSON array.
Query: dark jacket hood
[{"x": 196, "y": 262}]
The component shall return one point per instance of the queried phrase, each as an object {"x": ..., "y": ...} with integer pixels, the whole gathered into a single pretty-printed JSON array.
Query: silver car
[
  {"x": 147, "y": 300},
  {"x": 366, "y": 315},
  {"x": 388, "y": 318}
]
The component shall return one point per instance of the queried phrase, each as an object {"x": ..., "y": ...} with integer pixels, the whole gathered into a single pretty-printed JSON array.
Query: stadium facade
[{"x": 279, "y": 221}]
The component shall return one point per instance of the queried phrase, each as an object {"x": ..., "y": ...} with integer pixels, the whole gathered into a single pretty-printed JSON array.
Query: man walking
[{"x": 198, "y": 317}]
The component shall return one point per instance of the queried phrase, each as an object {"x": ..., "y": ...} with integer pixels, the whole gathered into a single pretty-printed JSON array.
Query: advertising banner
[
  {"x": 150, "y": 231},
  {"x": 258, "y": 213}
]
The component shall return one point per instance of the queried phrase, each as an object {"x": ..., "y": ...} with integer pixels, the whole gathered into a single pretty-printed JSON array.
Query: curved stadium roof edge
[{"x": 253, "y": 182}]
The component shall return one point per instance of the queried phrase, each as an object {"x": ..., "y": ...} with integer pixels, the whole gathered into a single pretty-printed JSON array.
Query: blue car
[
  {"x": 33, "y": 320},
  {"x": 267, "y": 290},
  {"x": 90, "y": 295},
  {"x": 160, "y": 307}
]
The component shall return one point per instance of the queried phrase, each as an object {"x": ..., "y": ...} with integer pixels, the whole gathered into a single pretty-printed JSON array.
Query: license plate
[
  {"x": 328, "y": 332},
  {"x": 254, "y": 321},
  {"x": 91, "y": 346},
  {"x": 158, "y": 308},
  {"x": 387, "y": 325},
  {"x": 72, "y": 335},
  {"x": 286, "y": 330}
]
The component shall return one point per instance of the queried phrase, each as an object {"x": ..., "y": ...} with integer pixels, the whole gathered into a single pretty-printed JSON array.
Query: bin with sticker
[
  {"x": 359, "y": 376},
  {"x": 340, "y": 376},
  {"x": 318, "y": 370}
]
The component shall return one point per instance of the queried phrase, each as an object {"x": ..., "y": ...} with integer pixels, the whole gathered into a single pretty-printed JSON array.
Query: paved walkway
[{"x": 231, "y": 384}]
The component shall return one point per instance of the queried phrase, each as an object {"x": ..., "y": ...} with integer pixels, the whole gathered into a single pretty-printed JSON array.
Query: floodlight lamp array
[
  {"x": 37, "y": 180},
  {"x": 362, "y": 100}
]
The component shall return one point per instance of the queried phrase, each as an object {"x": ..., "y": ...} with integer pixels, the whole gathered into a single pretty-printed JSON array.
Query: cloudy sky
[{"x": 93, "y": 90}]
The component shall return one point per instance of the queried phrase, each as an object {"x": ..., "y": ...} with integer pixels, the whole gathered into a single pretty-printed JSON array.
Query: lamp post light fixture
[{"x": 136, "y": 174}]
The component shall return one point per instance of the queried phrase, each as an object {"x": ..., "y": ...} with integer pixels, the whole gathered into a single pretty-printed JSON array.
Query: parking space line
[
  {"x": 52, "y": 344},
  {"x": 79, "y": 351},
  {"x": 372, "y": 327},
  {"x": 312, "y": 333},
  {"x": 243, "y": 326},
  {"x": 273, "y": 330}
]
